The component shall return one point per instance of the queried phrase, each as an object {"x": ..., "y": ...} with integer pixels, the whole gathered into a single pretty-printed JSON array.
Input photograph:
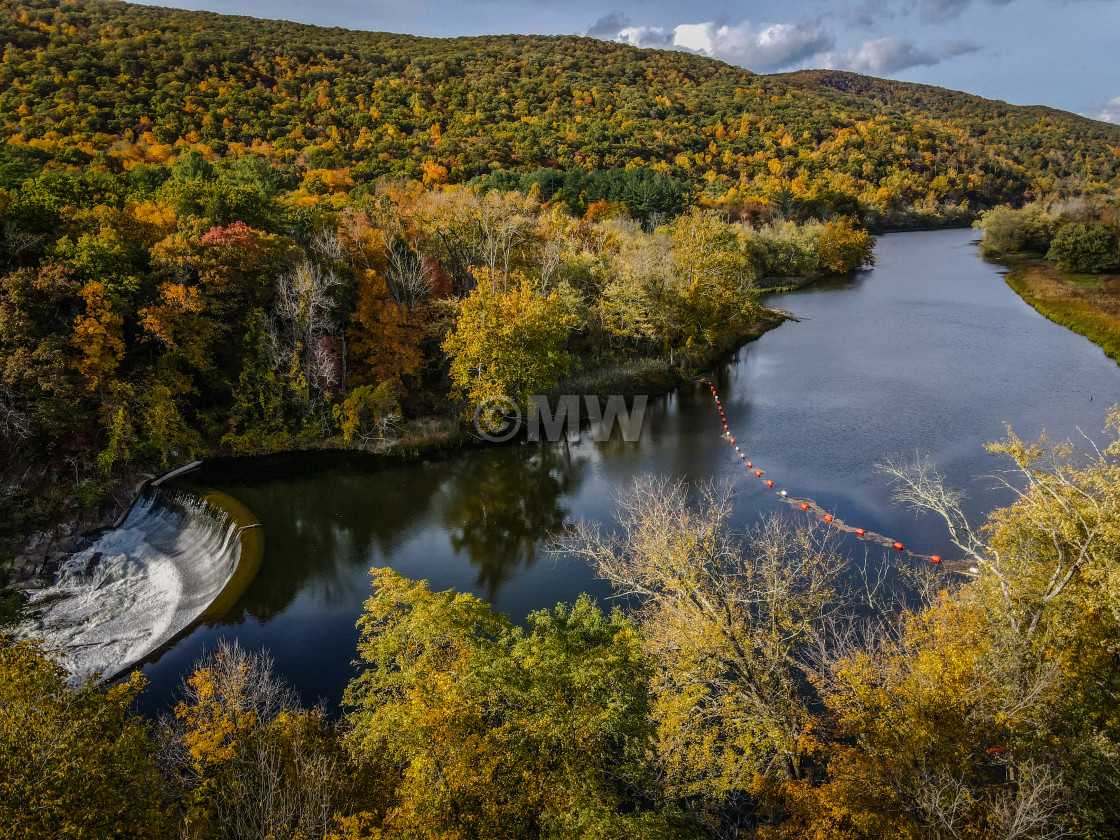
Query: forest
[{"x": 228, "y": 236}]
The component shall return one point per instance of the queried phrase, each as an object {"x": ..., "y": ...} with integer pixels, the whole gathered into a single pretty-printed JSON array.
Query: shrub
[{"x": 1085, "y": 248}]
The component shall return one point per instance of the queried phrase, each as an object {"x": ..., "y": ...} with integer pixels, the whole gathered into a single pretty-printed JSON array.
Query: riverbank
[
  {"x": 1088, "y": 304},
  {"x": 38, "y": 555}
]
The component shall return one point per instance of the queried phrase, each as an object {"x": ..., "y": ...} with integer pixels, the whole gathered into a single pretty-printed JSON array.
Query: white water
[{"x": 157, "y": 573}]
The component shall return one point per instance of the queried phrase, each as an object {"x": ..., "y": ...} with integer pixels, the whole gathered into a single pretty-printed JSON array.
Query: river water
[{"x": 928, "y": 352}]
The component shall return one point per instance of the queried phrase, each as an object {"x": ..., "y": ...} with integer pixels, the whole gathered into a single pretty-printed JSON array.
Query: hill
[{"x": 109, "y": 86}]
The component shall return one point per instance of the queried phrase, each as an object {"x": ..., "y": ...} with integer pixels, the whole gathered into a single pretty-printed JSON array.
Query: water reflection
[{"x": 503, "y": 503}]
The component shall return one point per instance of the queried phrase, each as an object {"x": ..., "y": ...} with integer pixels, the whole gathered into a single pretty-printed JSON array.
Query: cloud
[
  {"x": 1111, "y": 111},
  {"x": 866, "y": 14},
  {"x": 647, "y": 37},
  {"x": 761, "y": 48},
  {"x": 783, "y": 46},
  {"x": 608, "y": 26},
  {"x": 890, "y": 55},
  {"x": 942, "y": 11}
]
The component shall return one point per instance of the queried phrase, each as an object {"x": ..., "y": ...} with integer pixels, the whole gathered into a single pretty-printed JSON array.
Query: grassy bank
[{"x": 1088, "y": 304}]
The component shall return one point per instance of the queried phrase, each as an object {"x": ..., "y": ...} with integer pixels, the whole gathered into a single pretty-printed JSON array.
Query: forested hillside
[
  {"x": 220, "y": 234},
  {"x": 111, "y": 86}
]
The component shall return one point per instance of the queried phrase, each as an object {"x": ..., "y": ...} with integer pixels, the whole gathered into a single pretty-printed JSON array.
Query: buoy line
[{"x": 807, "y": 505}]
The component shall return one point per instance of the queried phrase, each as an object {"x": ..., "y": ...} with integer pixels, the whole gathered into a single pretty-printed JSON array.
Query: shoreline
[
  {"x": 1087, "y": 304},
  {"x": 40, "y": 554}
]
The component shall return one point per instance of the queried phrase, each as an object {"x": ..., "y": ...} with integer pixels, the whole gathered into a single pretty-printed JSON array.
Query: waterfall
[{"x": 139, "y": 584}]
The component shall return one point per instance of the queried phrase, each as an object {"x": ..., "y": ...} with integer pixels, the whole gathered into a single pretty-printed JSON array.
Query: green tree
[
  {"x": 503, "y": 732},
  {"x": 1088, "y": 248}
]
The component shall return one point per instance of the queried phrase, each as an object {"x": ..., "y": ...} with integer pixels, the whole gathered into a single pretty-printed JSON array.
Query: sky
[{"x": 1062, "y": 53}]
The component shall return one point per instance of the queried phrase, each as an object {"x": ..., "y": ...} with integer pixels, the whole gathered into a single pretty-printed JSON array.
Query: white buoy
[{"x": 783, "y": 492}]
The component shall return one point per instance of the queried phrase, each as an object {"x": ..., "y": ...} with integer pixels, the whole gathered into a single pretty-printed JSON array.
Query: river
[{"x": 928, "y": 352}]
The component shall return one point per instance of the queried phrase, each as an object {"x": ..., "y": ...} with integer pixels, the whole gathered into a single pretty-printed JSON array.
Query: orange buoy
[
  {"x": 732, "y": 440},
  {"x": 725, "y": 427},
  {"x": 804, "y": 506},
  {"x": 749, "y": 464},
  {"x": 898, "y": 546},
  {"x": 860, "y": 532},
  {"x": 758, "y": 473},
  {"x": 828, "y": 517},
  {"x": 935, "y": 558},
  {"x": 769, "y": 483}
]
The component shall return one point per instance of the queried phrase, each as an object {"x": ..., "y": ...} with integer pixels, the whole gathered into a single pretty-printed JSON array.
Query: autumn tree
[
  {"x": 504, "y": 732},
  {"x": 249, "y": 761},
  {"x": 844, "y": 247},
  {"x": 74, "y": 761},
  {"x": 990, "y": 714},
  {"x": 714, "y": 278},
  {"x": 730, "y": 623},
  {"x": 508, "y": 340}
]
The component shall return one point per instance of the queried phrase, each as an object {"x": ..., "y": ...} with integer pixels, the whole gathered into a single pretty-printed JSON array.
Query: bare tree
[
  {"x": 408, "y": 275},
  {"x": 728, "y": 621},
  {"x": 303, "y": 310},
  {"x": 15, "y": 421},
  {"x": 504, "y": 226},
  {"x": 277, "y": 775},
  {"x": 1065, "y": 520}
]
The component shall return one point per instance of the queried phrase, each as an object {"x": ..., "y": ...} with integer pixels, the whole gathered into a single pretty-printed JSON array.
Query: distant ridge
[{"x": 89, "y": 83}]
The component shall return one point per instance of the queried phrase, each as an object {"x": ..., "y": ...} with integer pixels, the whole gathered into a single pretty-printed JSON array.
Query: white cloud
[
  {"x": 1111, "y": 111},
  {"x": 608, "y": 26},
  {"x": 890, "y": 55},
  {"x": 768, "y": 47},
  {"x": 785, "y": 46},
  {"x": 761, "y": 48},
  {"x": 646, "y": 37}
]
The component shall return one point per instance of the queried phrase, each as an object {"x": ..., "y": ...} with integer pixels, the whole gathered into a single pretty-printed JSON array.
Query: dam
[{"x": 176, "y": 558}]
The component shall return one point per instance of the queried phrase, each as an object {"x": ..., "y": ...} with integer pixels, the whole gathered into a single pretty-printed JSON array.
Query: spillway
[{"x": 142, "y": 583}]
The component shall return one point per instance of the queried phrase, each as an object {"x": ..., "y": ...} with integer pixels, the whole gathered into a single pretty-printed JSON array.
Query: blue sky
[{"x": 1063, "y": 53}]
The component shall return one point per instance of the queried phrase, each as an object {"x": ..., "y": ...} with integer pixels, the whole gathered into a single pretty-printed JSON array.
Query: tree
[
  {"x": 503, "y": 732},
  {"x": 251, "y": 762},
  {"x": 74, "y": 763},
  {"x": 1008, "y": 231},
  {"x": 1041, "y": 668},
  {"x": 729, "y": 624},
  {"x": 508, "y": 342},
  {"x": 935, "y": 718},
  {"x": 843, "y": 247},
  {"x": 1089, "y": 248},
  {"x": 714, "y": 279},
  {"x": 98, "y": 337},
  {"x": 368, "y": 413}
]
